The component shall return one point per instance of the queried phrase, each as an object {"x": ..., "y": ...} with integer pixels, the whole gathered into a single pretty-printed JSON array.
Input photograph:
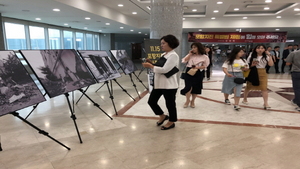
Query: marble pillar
[{"x": 166, "y": 18}]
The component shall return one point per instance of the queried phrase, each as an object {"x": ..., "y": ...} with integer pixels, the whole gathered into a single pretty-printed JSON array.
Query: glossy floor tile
[{"x": 210, "y": 136}]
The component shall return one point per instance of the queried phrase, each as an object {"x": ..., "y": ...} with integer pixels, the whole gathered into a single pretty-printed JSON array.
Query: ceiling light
[
  {"x": 266, "y": 8},
  {"x": 277, "y": 29},
  {"x": 38, "y": 19},
  {"x": 245, "y": 17},
  {"x": 121, "y": 27},
  {"x": 278, "y": 16},
  {"x": 56, "y": 10},
  {"x": 236, "y": 9},
  {"x": 100, "y": 30},
  {"x": 134, "y": 13},
  {"x": 219, "y": 2},
  {"x": 213, "y": 18},
  {"x": 66, "y": 24},
  {"x": 107, "y": 23},
  {"x": 194, "y": 10},
  {"x": 131, "y": 30},
  {"x": 297, "y": 9},
  {"x": 268, "y": 1},
  {"x": 200, "y": 30},
  {"x": 85, "y": 28},
  {"x": 146, "y": 34},
  {"x": 183, "y": 18},
  {"x": 140, "y": 32},
  {"x": 87, "y": 18},
  {"x": 120, "y": 5},
  {"x": 216, "y": 11}
]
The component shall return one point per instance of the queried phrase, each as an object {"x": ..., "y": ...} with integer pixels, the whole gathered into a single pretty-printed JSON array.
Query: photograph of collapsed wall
[
  {"x": 124, "y": 61},
  {"x": 17, "y": 88},
  {"x": 59, "y": 71},
  {"x": 100, "y": 65}
]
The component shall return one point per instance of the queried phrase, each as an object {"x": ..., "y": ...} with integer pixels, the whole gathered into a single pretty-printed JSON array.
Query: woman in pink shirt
[{"x": 196, "y": 59}]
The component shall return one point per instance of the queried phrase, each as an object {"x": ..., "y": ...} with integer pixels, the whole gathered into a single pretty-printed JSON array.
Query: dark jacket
[{"x": 253, "y": 76}]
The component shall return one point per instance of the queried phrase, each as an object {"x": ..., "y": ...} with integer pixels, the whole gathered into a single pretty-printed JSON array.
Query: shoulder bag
[{"x": 237, "y": 80}]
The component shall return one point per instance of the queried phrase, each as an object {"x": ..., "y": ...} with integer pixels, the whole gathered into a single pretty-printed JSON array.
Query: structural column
[
  {"x": 2, "y": 46},
  {"x": 166, "y": 18}
]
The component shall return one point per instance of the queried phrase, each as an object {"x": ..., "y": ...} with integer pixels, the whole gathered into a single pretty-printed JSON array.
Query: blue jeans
[{"x": 296, "y": 87}]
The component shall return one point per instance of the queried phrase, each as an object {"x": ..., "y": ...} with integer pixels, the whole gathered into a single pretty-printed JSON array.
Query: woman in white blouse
[
  {"x": 233, "y": 67},
  {"x": 259, "y": 58},
  {"x": 165, "y": 86},
  {"x": 196, "y": 59}
]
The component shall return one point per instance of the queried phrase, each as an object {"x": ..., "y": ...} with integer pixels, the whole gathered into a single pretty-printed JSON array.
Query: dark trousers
[
  {"x": 296, "y": 87},
  {"x": 208, "y": 71},
  {"x": 283, "y": 66},
  {"x": 276, "y": 65},
  {"x": 170, "y": 98}
]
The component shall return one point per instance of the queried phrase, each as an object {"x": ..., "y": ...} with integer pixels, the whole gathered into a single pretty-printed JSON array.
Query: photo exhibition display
[
  {"x": 17, "y": 88},
  {"x": 124, "y": 61},
  {"x": 59, "y": 71}
]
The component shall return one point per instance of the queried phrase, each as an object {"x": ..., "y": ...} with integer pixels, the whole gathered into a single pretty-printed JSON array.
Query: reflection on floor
[{"x": 210, "y": 136}]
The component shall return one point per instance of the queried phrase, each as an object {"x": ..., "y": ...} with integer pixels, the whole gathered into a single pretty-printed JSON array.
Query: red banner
[{"x": 237, "y": 37}]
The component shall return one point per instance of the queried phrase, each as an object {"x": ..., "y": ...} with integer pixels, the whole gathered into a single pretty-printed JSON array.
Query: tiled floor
[{"x": 210, "y": 136}]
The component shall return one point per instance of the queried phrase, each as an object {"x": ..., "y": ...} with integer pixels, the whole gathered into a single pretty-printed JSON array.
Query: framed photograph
[
  {"x": 17, "y": 88},
  {"x": 124, "y": 61},
  {"x": 59, "y": 71},
  {"x": 100, "y": 65}
]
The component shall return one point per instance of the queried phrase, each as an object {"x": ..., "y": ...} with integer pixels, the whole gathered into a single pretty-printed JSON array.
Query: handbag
[
  {"x": 192, "y": 71},
  {"x": 182, "y": 76},
  {"x": 161, "y": 62},
  {"x": 238, "y": 80}
]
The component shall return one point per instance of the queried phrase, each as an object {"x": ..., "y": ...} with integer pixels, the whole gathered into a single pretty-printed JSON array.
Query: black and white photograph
[
  {"x": 59, "y": 71},
  {"x": 100, "y": 65},
  {"x": 17, "y": 88},
  {"x": 124, "y": 61}
]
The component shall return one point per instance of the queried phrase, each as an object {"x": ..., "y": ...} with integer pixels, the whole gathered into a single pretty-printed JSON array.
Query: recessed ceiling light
[
  {"x": 131, "y": 30},
  {"x": 66, "y": 24},
  {"x": 146, "y": 34},
  {"x": 200, "y": 30},
  {"x": 194, "y": 10},
  {"x": 183, "y": 18},
  {"x": 107, "y": 23},
  {"x": 278, "y": 16},
  {"x": 121, "y": 27},
  {"x": 297, "y": 9},
  {"x": 87, "y": 18},
  {"x": 213, "y": 18},
  {"x": 245, "y": 17},
  {"x": 266, "y": 8},
  {"x": 100, "y": 30},
  {"x": 134, "y": 13},
  {"x": 38, "y": 19},
  {"x": 277, "y": 29},
  {"x": 120, "y": 5},
  {"x": 236, "y": 9},
  {"x": 268, "y": 1},
  {"x": 219, "y": 2},
  {"x": 140, "y": 32},
  {"x": 56, "y": 10},
  {"x": 85, "y": 28},
  {"x": 216, "y": 11}
]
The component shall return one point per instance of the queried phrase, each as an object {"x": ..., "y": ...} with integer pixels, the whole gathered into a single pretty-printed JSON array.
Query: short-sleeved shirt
[
  {"x": 261, "y": 62},
  {"x": 236, "y": 66},
  {"x": 294, "y": 58}
]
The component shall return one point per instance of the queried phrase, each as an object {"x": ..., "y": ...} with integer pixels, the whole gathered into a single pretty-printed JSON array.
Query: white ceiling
[{"x": 73, "y": 12}]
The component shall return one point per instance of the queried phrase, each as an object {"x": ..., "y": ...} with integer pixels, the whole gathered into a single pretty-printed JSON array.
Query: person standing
[
  {"x": 276, "y": 55},
  {"x": 232, "y": 68},
  {"x": 259, "y": 59},
  {"x": 209, "y": 53},
  {"x": 269, "y": 49},
  {"x": 285, "y": 53},
  {"x": 218, "y": 53},
  {"x": 294, "y": 60},
  {"x": 195, "y": 59},
  {"x": 164, "y": 86}
]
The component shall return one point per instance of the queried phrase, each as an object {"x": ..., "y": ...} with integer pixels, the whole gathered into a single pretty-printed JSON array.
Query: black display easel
[
  {"x": 34, "y": 107},
  {"x": 40, "y": 131}
]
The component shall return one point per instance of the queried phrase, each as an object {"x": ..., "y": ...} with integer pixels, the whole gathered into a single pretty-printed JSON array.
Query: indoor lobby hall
[{"x": 210, "y": 136}]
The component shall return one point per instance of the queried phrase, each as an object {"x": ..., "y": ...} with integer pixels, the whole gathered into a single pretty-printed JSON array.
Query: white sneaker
[
  {"x": 244, "y": 102},
  {"x": 227, "y": 101},
  {"x": 236, "y": 107}
]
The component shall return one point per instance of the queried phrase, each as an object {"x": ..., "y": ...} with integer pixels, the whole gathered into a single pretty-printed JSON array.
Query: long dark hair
[
  {"x": 200, "y": 47},
  {"x": 233, "y": 54},
  {"x": 254, "y": 53}
]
